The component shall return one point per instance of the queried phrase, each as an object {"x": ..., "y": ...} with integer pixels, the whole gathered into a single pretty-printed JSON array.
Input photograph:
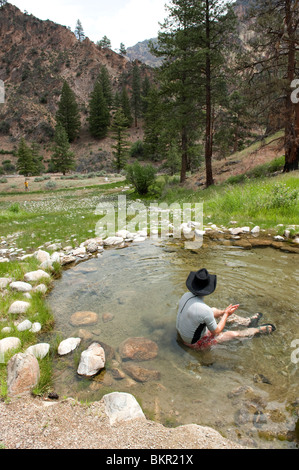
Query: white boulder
[
  {"x": 39, "y": 350},
  {"x": 122, "y": 407},
  {"x": 8, "y": 343},
  {"x": 68, "y": 345},
  {"x": 42, "y": 256},
  {"x": 36, "y": 275},
  {"x": 25, "y": 325},
  {"x": 19, "y": 306},
  {"x": 36, "y": 327},
  {"x": 20, "y": 286},
  {"x": 92, "y": 360}
]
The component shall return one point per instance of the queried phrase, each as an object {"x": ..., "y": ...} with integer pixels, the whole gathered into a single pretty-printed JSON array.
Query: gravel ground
[{"x": 33, "y": 423}]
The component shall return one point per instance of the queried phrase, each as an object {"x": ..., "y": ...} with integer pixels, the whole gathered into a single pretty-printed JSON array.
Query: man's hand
[{"x": 231, "y": 309}]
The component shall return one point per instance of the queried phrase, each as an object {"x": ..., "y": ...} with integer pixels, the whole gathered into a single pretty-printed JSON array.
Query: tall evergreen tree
[
  {"x": 125, "y": 106},
  {"x": 145, "y": 89},
  {"x": 154, "y": 126},
  {"x": 105, "y": 81},
  {"x": 25, "y": 163},
  {"x": 68, "y": 112},
  {"x": 37, "y": 159},
  {"x": 121, "y": 144},
  {"x": 122, "y": 49},
  {"x": 136, "y": 93},
  {"x": 99, "y": 117},
  {"x": 62, "y": 158},
  {"x": 193, "y": 43},
  {"x": 273, "y": 63},
  {"x": 79, "y": 32},
  {"x": 104, "y": 43}
]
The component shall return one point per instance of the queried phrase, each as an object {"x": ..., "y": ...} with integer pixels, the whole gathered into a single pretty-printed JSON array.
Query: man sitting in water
[{"x": 196, "y": 321}]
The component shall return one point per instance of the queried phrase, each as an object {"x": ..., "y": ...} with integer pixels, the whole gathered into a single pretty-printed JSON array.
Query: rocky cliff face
[
  {"x": 35, "y": 57},
  {"x": 141, "y": 51}
]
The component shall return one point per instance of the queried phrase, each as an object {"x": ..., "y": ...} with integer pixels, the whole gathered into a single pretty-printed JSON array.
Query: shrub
[
  {"x": 15, "y": 207},
  {"x": 141, "y": 177},
  {"x": 282, "y": 196},
  {"x": 4, "y": 127},
  {"x": 3, "y": 180},
  {"x": 137, "y": 149},
  {"x": 50, "y": 185}
]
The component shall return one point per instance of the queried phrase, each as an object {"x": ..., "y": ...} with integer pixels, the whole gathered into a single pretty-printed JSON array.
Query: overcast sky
[{"x": 127, "y": 21}]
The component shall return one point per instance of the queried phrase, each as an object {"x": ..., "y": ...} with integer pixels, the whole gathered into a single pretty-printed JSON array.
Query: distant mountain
[
  {"x": 35, "y": 58},
  {"x": 142, "y": 52}
]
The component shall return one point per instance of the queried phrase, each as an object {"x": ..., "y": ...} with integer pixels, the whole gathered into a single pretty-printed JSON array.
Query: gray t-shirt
[{"x": 194, "y": 316}]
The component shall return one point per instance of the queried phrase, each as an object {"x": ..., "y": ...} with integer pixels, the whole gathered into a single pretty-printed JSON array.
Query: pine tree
[
  {"x": 25, "y": 163},
  {"x": 193, "y": 43},
  {"x": 136, "y": 93},
  {"x": 37, "y": 159},
  {"x": 62, "y": 158},
  {"x": 119, "y": 135},
  {"x": 126, "y": 107},
  {"x": 68, "y": 113},
  {"x": 79, "y": 32},
  {"x": 99, "y": 117},
  {"x": 145, "y": 89},
  {"x": 105, "y": 81},
  {"x": 104, "y": 43},
  {"x": 273, "y": 65},
  {"x": 122, "y": 49},
  {"x": 154, "y": 125}
]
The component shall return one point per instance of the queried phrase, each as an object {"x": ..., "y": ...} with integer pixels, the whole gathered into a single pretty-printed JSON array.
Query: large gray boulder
[{"x": 122, "y": 407}]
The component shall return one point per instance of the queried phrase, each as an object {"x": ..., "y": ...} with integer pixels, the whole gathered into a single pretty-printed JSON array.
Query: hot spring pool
[{"x": 246, "y": 390}]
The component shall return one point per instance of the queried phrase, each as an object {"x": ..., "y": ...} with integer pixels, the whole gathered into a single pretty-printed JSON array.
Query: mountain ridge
[{"x": 35, "y": 58}]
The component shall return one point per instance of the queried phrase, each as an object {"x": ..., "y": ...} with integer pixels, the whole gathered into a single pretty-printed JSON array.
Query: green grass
[
  {"x": 264, "y": 201},
  {"x": 38, "y": 312}
]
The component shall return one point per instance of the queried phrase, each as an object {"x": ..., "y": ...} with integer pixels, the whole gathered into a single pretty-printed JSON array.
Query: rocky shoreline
[{"x": 23, "y": 368}]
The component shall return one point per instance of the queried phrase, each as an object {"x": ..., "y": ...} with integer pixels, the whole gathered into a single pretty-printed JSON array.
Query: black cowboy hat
[{"x": 201, "y": 283}]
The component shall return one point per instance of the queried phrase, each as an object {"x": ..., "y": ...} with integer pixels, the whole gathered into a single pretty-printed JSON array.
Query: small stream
[{"x": 247, "y": 390}]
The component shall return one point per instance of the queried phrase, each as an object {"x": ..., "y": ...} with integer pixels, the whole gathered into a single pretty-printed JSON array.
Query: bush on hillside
[{"x": 141, "y": 177}]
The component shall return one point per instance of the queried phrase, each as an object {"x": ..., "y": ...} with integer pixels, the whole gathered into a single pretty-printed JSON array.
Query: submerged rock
[
  {"x": 138, "y": 349},
  {"x": 84, "y": 318},
  {"x": 140, "y": 374}
]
